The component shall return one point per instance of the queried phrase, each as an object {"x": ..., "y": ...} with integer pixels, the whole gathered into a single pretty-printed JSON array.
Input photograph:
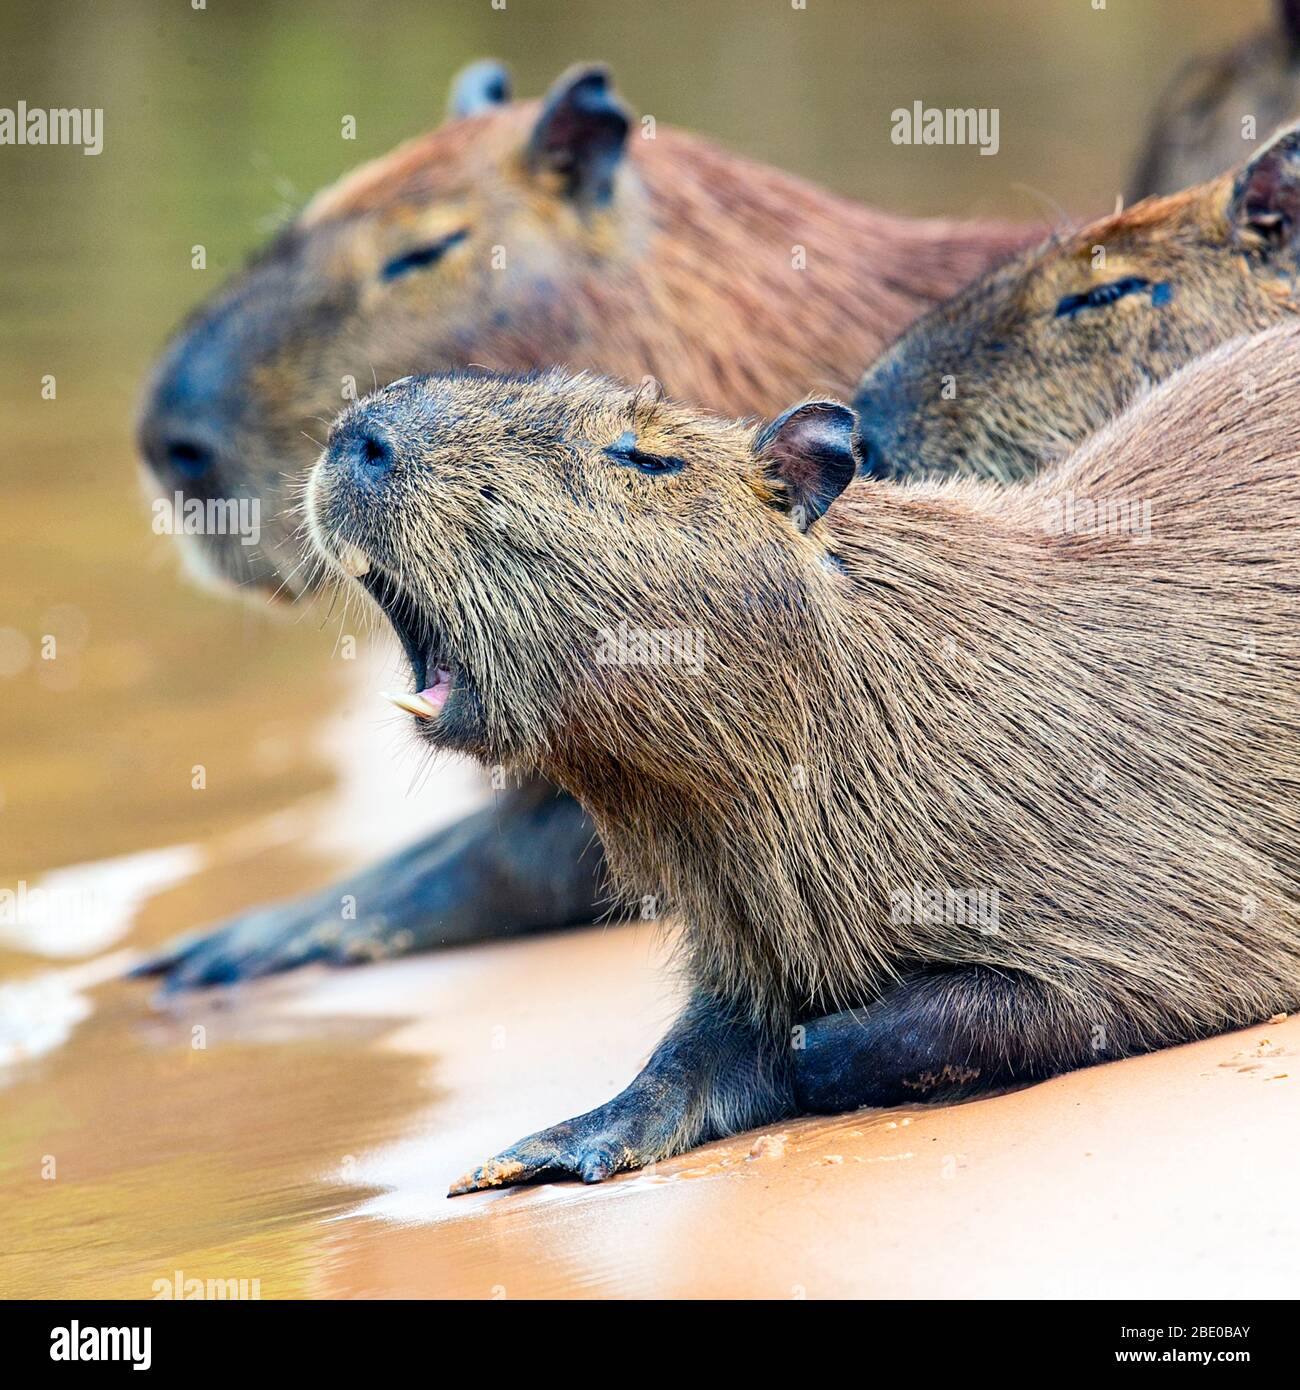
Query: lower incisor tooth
[
  {"x": 354, "y": 561},
  {"x": 412, "y": 704}
]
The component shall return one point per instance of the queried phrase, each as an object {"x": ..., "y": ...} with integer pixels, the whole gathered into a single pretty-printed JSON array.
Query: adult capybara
[
  {"x": 1215, "y": 108},
  {"x": 515, "y": 235},
  {"x": 522, "y": 235},
  {"x": 1045, "y": 349},
  {"x": 953, "y": 785}
]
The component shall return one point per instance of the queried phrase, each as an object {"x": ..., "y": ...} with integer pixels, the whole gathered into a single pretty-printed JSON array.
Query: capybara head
[
  {"x": 467, "y": 239},
  {"x": 569, "y": 560},
  {"x": 1219, "y": 103},
  {"x": 1024, "y": 363}
]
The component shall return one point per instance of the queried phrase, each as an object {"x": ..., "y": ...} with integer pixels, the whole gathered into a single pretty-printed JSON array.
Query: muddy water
[{"x": 168, "y": 757}]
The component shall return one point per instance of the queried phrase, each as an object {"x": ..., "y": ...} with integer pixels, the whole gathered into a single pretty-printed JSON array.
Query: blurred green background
[{"x": 220, "y": 121}]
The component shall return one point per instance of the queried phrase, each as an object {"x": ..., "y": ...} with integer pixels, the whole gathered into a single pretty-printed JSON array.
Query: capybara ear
[
  {"x": 812, "y": 454},
  {"x": 581, "y": 134},
  {"x": 1266, "y": 196},
  {"x": 478, "y": 87}
]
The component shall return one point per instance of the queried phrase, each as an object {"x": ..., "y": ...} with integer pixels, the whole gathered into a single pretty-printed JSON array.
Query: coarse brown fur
[
  {"x": 734, "y": 283},
  {"x": 1217, "y": 105},
  {"x": 1080, "y": 699},
  {"x": 1014, "y": 370}
]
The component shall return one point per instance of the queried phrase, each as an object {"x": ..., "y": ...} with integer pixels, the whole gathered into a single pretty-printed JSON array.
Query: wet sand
[
  {"x": 1170, "y": 1175},
  {"x": 301, "y": 1132},
  {"x": 308, "y": 1143}
]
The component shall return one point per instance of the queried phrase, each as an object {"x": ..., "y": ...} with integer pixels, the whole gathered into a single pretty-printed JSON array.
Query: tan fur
[
  {"x": 996, "y": 382},
  {"x": 689, "y": 277},
  {"x": 934, "y": 687}
]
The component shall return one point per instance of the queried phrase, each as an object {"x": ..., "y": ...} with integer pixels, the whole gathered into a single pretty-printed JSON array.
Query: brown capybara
[
  {"x": 1036, "y": 355},
  {"x": 515, "y": 236},
  {"x": 953, "y": 785},
  {"x": 527, "y": 234},
  {"x": 1210, "y": 115}
]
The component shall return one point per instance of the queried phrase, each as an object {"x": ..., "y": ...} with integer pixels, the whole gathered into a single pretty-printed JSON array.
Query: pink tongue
[{"x": 437, "y": 693}]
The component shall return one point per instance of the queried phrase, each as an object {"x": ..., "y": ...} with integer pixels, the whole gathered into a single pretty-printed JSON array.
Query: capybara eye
[
  {"x": 624, "y": 451},
  {"x": 1101, "y": 295},
  {"x": 420, "y": 256}
]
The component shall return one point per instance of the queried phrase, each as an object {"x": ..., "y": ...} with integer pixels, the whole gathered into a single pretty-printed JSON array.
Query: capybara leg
[
  {"x": 712, "y": 1075},
  {"x": 942, "y": 1036},
  {"x": 528, "y": 862}
]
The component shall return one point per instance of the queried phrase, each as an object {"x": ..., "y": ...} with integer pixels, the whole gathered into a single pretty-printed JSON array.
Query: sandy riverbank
[{"x": 309, "y": 1142}]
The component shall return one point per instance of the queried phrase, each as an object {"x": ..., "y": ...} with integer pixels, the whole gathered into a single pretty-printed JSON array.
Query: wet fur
[{"x": 1076, "y": 661}]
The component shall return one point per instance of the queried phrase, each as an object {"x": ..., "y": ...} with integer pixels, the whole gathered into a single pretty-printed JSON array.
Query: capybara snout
[{"x": 532, "y": 528}]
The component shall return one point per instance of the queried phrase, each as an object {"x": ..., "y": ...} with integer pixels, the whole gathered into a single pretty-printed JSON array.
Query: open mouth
[{"x": 433, "y": 666}]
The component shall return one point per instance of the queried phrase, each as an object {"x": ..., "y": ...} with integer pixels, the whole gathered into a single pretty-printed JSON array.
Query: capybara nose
[
  {"x": 373, "y": 452},
  {"x": 197, "y": 401},
  {"x": 177, "y": 451},
  {"x": 871, "y": 441},
  {"x": 362, "y": 448},
  {"x": 188, "y": 457},
  {"x": 886, "y": 410}
]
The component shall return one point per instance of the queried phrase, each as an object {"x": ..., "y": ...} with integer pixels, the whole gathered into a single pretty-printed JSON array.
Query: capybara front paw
[
  {"x": 269, "y": 940},
  {"x": 593, "y": 1147}
]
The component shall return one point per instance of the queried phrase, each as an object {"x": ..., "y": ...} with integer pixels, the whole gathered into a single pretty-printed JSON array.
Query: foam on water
[
  {"x": 83, "y": 908},
  {"x": 39, "y": 1013}
]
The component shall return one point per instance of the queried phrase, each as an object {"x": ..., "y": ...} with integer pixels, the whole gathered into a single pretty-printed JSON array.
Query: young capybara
[
  {"x": 516, "y": 235},
  {"x": 1216, "y": 106},
  {"x": 1045, "y": 349},
  {"x": 954, "y": 786}
]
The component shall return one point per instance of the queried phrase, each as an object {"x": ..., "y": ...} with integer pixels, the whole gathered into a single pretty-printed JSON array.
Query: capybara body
[
  {"x": 1033, "y": 357},
  {"x": 959, "y": 785},
  {"x": 524, "y": 235},
  {"x": 1217, "y": 105}
]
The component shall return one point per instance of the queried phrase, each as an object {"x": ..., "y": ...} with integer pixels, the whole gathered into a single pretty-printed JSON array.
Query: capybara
[
  {"x": 952, "y": 785},
  {"x": 514, "y": 236},
  {"x": 1216, "y": 106},
  {"x": 1040, "y": 352}
]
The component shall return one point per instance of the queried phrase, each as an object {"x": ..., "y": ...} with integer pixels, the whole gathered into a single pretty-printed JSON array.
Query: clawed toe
[
  {"x": 591, "y": 1148},
  {"x": 497, "y": 1172}
]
